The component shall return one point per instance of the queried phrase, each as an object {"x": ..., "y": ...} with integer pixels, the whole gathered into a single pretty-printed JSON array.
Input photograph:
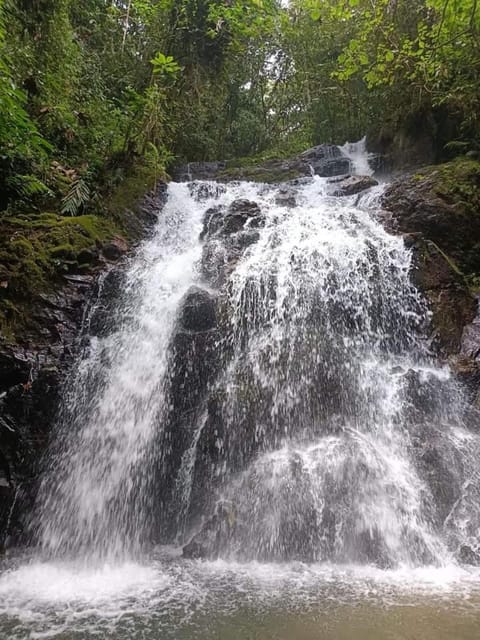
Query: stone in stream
[
  {"x": 352, "y": 185},
  {"x": 242, "y": 213}
]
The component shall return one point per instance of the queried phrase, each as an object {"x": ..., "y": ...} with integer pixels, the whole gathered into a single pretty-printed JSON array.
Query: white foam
[
  {"x": 44, "y": 600},
  {"x": 63, "y": 583}
]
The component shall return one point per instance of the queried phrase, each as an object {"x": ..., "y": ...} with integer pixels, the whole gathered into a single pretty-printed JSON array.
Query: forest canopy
[{"x": 89, "y": 89}]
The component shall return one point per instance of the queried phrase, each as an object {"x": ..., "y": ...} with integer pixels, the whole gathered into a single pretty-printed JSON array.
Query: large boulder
[
  {"x": 451, "y": 302},
  {"x": 326, "y": 160},
  {"x": 198, "y": 311},
  {"x": 443, "y": 204}
]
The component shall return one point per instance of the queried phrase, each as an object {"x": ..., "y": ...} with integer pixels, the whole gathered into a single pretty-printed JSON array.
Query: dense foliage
[{"x": 89, "y": 89}]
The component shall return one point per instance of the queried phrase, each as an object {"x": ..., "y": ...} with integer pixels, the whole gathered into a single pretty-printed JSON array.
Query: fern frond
[
  {"x": 76, "y": 197},
  {"x": 28, "y": 186}
]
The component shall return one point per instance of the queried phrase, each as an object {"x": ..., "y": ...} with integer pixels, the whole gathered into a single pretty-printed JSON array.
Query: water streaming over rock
[
  {"x": 97, "y": 498},
  {"x": 265, "y": 393}
]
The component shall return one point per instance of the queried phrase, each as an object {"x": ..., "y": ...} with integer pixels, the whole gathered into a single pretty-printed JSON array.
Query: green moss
[
  {"x": 458, "y": 182},
  {"x": 448, "y": 202},
  {"x": 35, "y": 250},
  {"x": 279, "y": 153},
  {"x": 120, "y": 206}
]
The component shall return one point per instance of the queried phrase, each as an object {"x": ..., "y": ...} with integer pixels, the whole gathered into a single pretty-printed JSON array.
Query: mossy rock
[
  {"x": 442, "y": 203},
  {"x": 35, "y": 250}
]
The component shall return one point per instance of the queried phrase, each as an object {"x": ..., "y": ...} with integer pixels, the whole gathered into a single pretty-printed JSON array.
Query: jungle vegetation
[{"x": 91, "y": 89}]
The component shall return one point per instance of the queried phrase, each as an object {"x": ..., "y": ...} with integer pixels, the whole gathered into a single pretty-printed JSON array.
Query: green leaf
[{"x": 77, "y": 196}]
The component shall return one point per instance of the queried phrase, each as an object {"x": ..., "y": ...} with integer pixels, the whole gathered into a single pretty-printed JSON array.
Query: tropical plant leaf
[
  {"x": 28, "y": 186},
  {"x": 76, "y": 197}
]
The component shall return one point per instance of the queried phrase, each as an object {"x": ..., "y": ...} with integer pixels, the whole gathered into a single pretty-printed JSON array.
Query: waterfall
[
  {"x": 97, "y": 496},
  {"x": 266, "y": 392},
  {"x": 359, "y": 157}
]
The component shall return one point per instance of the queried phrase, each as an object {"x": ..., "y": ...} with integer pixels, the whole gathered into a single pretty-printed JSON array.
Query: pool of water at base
[{"x": 166, "y": 598}]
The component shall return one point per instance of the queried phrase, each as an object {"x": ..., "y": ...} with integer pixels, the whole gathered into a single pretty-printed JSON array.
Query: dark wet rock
[
  {"x": 326, "y": 161},
  {"x": 467, "y": 555},
  {"x": 115, "y": 249},
  {"x": 194, "y": 550},
  {"x": 242, "y": 213},
  {"x": 352, "y": 185},
  {"x": 467, "y": 371},
  {"x": 471, "y": 340},
  {"x": 212, "y": 221},
  {"x": 466, "y": 365},
  {"x": 245, "y": 238},
  {"x": 102, "y": 320},
  {"x": 404, "y": 148},
  {"x": 197, "y": 356},
  {"x": 198, "y": 310},
  {"x": 437, "y": 210},
  {"x": 88, "y": 256},
  {"x": 214, "y": 535},
  {"x": 442, "y": 203},
  {"x": 451, "y": 302},
  {"x": 438, "y": 464},
  {"x": 145, "y": 212},
  {"x": 202, "y": 191},
  {"x": 227, "y": 233},
  {"x": 411, "y": 239},
  {"x": 422, "y": 395},
  {"x": 33, "y": 377}
]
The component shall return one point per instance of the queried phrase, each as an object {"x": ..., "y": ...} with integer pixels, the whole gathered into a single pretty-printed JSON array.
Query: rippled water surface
[{"x": 171, "y": 598}]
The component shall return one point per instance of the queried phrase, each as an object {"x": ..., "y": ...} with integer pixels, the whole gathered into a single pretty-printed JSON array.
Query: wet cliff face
[
  {"x": 52, "y": 269},
  {"x": 438, "y": 210}
]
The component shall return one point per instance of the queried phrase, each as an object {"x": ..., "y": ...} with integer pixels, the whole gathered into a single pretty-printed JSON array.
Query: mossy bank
[{"x": 38, "y": 249}]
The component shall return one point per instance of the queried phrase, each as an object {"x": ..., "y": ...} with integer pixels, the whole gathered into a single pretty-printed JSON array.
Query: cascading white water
[
  {"x": 298, "y": 437},
  {"x": 96, "y": 499},
  {"x": 312, "y": 446},
  {"x": 316, "y": 457},
  {"x": 359, "y": 157}
]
